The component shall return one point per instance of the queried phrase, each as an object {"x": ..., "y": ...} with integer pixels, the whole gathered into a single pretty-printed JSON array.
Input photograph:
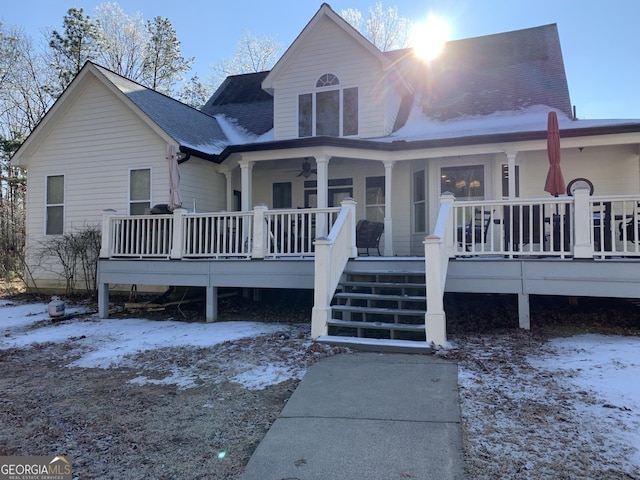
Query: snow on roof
[
  {"x": 531, "y": 119},
  {"x": 234, "y": 132}
]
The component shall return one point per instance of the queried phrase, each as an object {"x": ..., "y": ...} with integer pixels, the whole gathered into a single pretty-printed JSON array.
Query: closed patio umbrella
[
  {"x": 175, "y": 201},
  {"x": 555, "y": 182}
]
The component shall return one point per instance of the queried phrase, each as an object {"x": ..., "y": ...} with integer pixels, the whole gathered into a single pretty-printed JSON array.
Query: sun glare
[{"x": 429, "y": 37}]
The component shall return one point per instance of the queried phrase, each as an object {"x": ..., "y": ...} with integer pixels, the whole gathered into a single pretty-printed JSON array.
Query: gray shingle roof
[
  {"x": 472, "y": 77},
  {"x": 242, "y": 98},
  {"x": 501, "y": 72},
  {"x": 188, "y": 126}
]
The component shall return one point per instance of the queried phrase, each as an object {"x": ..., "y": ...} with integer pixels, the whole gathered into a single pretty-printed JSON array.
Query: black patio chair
[
  {"x": 368, "y": 235},
  {"x": 475, "y": 231},
  {"x": 523, "y": 224},
  {"x": 631, "y": 228}
]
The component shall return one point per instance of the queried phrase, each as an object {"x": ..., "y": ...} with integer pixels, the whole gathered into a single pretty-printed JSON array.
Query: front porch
[{"x": 574, "y": 246}]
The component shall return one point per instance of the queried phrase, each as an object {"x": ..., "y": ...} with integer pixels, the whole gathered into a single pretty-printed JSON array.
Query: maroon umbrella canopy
[{"x": 555, "y": 182}]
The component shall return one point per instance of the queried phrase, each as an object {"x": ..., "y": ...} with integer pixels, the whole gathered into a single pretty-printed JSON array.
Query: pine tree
[
  {"x": 78, "y": 43},
  {"x": 164, "y": 64}
]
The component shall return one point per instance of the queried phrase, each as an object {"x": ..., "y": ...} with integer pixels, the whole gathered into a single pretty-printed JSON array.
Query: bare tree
[
  {"x": 23, "y": 102},
  {"x": 253, "y": 54},
  {"x": 123, "y": 40},
  {"x": 383, "y": 27}
]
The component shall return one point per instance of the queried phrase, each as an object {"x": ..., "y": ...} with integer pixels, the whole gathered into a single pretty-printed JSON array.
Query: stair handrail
[
  {"x": 332, "y": 254},
  {"x": 437, "y": 250}
]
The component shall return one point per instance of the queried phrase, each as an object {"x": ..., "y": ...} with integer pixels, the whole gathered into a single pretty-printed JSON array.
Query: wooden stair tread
[
  {"x": 379, "y": 296},
  {"x": 379, "y": 310},
  {"x": 407, "y": 327}
]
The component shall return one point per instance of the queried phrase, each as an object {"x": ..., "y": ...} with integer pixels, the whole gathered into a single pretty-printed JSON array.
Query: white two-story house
[{"x": 447, "y": 159}]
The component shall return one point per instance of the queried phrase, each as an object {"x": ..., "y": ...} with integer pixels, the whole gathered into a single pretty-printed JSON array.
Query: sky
[{"x": 600, "y": 45}]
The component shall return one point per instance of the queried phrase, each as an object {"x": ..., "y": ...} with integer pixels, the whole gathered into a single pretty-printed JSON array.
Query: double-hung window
[
  {"x": 55, "y": 205},
  {"x": 330, "y": 110},
  {"x": 139, "y": 191},
  {"x": 375, "y": 199}
]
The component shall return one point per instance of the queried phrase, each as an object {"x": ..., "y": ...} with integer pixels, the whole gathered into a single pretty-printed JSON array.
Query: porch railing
[
  {"x": 292, "y": 232},
  {"x": 215, "y": 235},
  {"x": 580, "y": 227},
  {"x": 138, "y": 236},
  {"x": 333, "y": 252},
  {"x": 261, "y": 233}
]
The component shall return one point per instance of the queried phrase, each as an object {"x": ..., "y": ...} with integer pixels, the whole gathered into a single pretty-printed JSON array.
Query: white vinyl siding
[
  {"x": 95, "y": 142},
  {"x": 330, "y": 49},
  {"x": 201, "y": 188}
]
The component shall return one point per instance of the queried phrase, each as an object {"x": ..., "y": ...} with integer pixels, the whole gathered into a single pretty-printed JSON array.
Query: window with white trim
[
  {"x": 139, "y": 191},
  {"x": 330, "y": 110},
  {"x": 465, "y": 182},
  {"x": 55, "y": 205},
  {"x": 419, "y": 202},
  {"x": 374, "y": 198}
]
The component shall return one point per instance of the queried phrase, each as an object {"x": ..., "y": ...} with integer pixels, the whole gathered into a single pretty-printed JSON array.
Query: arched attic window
[
  {"x": 330, "y": 110},
  {"x": 327, "y": 80}
]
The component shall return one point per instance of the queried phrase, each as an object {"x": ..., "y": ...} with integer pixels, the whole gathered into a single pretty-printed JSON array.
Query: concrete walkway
[{"x": 367, "y": 416}]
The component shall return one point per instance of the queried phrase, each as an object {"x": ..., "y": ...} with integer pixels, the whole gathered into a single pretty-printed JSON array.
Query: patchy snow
[
  {"x": 534, "y": 405},
  {"x": 607, "y": 368},
  {"x": 526, "y": 403},
  {"x": 108, "y": 343}
]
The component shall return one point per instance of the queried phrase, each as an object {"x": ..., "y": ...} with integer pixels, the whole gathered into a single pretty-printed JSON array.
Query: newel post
[
  {"x": 448, "y": 198},
  {"x": 106, "y": 232},
  {"x": 178, "y": 233},
  {"x": 435, "y": 320},
  {"x": 350, "y": 203},
  {"x": 321, "y": 311},
  {"x": 259, "y": 231},
  {"x": 582, "y": 248}
]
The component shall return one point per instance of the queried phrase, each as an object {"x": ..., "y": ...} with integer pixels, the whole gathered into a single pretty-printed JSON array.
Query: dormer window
[{"x": 330, "y": 110}]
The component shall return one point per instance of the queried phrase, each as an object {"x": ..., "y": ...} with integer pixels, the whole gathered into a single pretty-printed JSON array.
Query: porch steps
[
  {"x": 379, "y": 310},
  {"x": 376, "y": 344}
]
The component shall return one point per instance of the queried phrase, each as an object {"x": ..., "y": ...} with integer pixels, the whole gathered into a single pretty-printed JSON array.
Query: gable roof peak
[{"x": 325, "y": 11}]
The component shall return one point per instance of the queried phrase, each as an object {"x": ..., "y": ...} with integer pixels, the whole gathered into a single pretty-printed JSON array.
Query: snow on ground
[
  {"x": 531, "y": 394},
  {"x": 608, "y": 368},
  {"x": 110, "y": 343},
  {"x": 534, "y": 405}
]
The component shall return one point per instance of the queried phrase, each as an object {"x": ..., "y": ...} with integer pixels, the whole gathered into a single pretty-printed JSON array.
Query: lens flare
[{"x": 429, "y": 37}]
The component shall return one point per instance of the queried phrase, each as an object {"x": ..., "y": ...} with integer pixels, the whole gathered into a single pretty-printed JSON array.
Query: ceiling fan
[{"x": 307, "y": 170}]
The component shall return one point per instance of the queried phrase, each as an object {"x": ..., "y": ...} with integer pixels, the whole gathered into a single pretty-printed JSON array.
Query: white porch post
[
  {"x": 582, "y": 247},
  {"x": 105, "y": 249},
  {"x": 350, "y": 203},
  {"x": 511, "y": 168},
  {"x": 321, "y": 312},
  {"x": 435, "y": 320},
  {"x": 246, "y": 181},
  {"x": 259, "y": 231},
  {"x": 322, "y": 165},
  {"x": 388, "y": 195},
  {"x": 178, "y": 234},
  {"x": 229, "y": 178}
]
